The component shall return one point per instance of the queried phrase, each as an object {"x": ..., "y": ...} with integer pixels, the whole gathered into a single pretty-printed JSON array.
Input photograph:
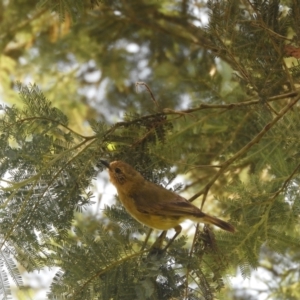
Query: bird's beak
[{"x": 105, "y": 163}]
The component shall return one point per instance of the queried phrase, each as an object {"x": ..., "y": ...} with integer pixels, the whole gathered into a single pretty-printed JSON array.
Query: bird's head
[{"x": 122, "y": 175}]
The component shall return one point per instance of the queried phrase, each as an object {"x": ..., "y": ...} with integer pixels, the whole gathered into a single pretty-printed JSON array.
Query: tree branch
[{"x": 242, "y": 151}]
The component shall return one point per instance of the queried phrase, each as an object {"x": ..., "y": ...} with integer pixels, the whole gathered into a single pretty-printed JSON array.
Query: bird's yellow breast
[{"x": 150, "y": 220}]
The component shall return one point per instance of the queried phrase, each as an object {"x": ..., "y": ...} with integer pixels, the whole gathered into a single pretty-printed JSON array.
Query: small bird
[{"x": 153, "y": 205}]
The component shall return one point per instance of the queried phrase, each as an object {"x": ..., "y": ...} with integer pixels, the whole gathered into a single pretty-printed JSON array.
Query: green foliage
[
  {"x": 112, "y": 257},
  {"x": 42, "y": 172},
  {"x": 230, "y": 125}
]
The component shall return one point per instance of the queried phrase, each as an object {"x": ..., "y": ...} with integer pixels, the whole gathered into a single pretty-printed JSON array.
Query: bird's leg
[
  {"x": 177, "y": 229},
  {"x": 156, "y": 248},
  {"x": 159, "y": 241},
  {"x": 146, "y": 239}
]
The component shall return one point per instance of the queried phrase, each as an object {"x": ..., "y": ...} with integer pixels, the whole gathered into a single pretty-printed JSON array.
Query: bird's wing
[{"x": 156, "y": 200}]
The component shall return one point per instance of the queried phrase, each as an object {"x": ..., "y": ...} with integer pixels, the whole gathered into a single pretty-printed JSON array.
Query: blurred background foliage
[{"x": 224, "y": 120}]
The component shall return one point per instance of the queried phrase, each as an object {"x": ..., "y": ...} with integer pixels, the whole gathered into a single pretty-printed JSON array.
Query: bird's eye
[{"x": 117, "y": 170}]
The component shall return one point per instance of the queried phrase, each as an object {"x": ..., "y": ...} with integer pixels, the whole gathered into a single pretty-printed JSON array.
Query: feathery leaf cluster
[{"x": 224, "y": 113}]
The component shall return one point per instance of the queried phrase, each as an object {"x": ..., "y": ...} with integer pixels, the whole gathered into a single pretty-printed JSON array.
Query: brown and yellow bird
[{"x": 153, "y": 205}]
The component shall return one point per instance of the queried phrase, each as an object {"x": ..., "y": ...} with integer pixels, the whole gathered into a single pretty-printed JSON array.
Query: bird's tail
[{"x": 217, "y": 222}]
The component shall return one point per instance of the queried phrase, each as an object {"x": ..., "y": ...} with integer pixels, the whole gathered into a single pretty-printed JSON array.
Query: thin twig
[
  {"x": 285, "y": 183},
  {"x": 149, "y": 90},
  {"x": 103, "y": 271},
  {"x": 200, "y": 107},
  {"x": 241, "y": 152},
  {"x": 52, "y": 121},
  {"x": 190, "y": 255}
]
